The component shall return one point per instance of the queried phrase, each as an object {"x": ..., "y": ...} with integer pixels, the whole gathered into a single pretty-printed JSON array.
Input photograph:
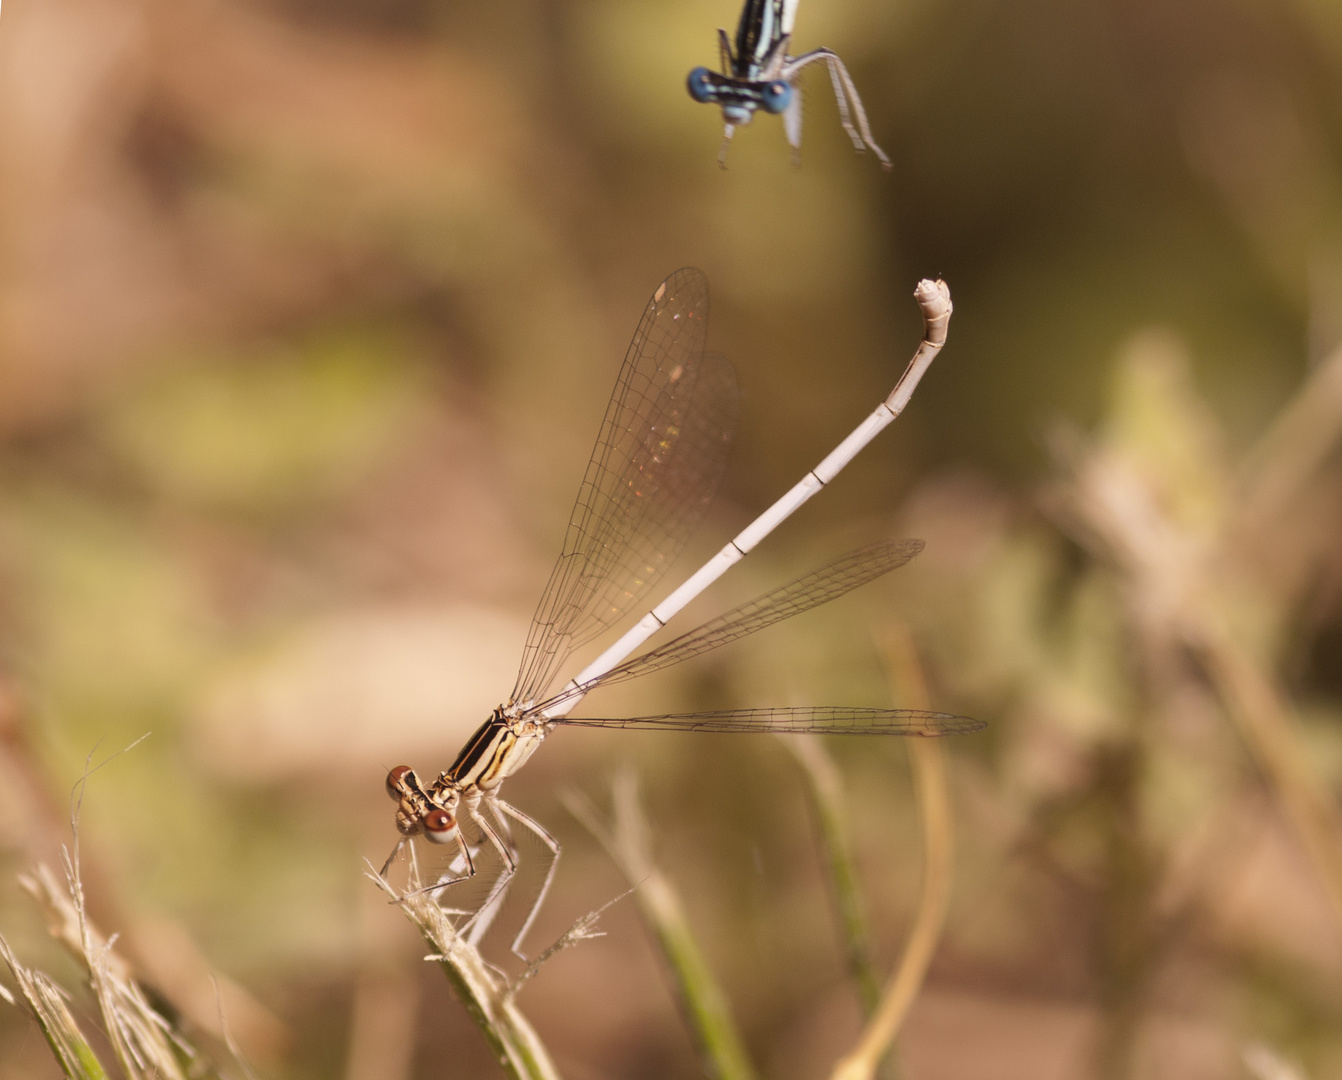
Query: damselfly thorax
[
  {"x": 658, "y": 460},
  {"x": 499, "y": 747},
  {"x": 758, "y": 75}
]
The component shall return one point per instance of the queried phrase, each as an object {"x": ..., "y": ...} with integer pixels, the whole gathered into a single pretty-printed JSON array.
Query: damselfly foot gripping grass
[
  {"x": 659, "y": 458},
  {"x": 759, "y": 74}
]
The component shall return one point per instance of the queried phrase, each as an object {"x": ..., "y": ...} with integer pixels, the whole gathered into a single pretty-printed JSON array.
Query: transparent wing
[
  {"x": 820, "y": 719},
  {"x": 819, "y": 587},
  {"x": 657, "y": 464}
]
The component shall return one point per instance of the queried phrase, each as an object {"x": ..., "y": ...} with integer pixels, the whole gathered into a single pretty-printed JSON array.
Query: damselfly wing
[{"x": 658, "y": 460}]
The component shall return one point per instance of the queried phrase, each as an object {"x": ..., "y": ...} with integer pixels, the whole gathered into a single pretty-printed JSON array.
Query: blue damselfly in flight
[
  {"x": 659, "y": 457},
  {"x": 759, "y": 74}
]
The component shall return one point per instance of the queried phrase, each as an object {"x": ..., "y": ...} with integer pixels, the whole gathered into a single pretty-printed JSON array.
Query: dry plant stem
[
  {"x": 831, "y": 811},
  {"x": 1174, "y": 590},
  {"x": 166, "y": 957},
  {"x": 479, "y": 987},
  {"x": 1292, "y": 450},
  {"x": 627, "y": 841},
  {"x": 144, "y": 1042},
  {"x": 46, "y": 1002},
  {"x": 1296, "y": 445},
  {"x": 1264, "y": 721},
  {"x": 934, "y": 806}
]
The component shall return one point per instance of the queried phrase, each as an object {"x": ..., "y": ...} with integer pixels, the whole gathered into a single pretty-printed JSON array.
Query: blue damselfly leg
[{"x": 758, "y": 75}]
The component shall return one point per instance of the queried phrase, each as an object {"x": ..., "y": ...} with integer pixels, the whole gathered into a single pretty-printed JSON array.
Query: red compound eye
[
  {"x": 396, "y": 781},
  {"x": 439, "y": 826}
]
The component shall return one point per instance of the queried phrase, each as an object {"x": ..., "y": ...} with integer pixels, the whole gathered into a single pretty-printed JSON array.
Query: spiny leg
[
  {"x": 550, "y": 842},
  {"x": 725, "y": 53},
  {"x": 840, "y": 90},
  {"x": 838, "y": 70},
  {"x": 845, "y": 92},
  {"x": 477, "y": 925},
  {"x": 392, "y": 857},
  {"x": 462, "y": 848},
  {"x": 728, "y": 130}
]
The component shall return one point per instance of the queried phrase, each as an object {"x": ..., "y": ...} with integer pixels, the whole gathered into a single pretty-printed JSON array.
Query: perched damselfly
[
  {"x": 659, "y": 458},
  {"x": 759, "y": 74}
]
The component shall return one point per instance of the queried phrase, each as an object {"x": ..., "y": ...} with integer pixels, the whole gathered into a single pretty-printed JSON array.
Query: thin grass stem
[
  {"x": 1294, "y": 447},
  {"x": 146, "y": 1045},
  {"x": 831, "y": 814},
  {"x": 1264, "y": 720},
  {"x": 934, "y": 805},
  {"x": 46, "y": 1004},
  {"x": 627, "y": 841},
  {"x": 481, "y": 988}
]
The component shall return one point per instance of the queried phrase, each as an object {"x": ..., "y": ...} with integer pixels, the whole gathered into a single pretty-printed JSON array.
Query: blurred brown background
[{"x": 308, "y": 313}]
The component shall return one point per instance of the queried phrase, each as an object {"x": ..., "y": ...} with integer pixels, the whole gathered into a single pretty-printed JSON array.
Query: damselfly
[
  {"x": 659, "y": 458},
  {"x": 760, "y": 74}
]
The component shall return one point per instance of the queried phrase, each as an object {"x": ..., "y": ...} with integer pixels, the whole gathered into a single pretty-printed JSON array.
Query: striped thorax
[{"x": 501, "y": 746}]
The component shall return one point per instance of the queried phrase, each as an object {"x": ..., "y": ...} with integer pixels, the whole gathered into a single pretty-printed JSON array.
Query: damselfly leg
[
  {"x": 544, "y": 836},
  {"x": 846, "y": 97},
  {"x": 498, "y": 834},
  {"x": 659, "y": 457},
  {"x": 759, "y": 76}
]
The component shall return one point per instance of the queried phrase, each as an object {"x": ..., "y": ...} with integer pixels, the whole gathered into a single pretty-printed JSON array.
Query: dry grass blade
[
  {"x": 831, "y": 812},
  {"x": 934, "y": 804},
  {"x": 488, "y": 998},
  {"x": 145, "y": 1043},
  {"x": 826, "y": 789},
  {"x": 1296, "y": 445},
  {"x": 627, "y": 841},
  {"x": 147, "y": 1046},
  {"x": 1175, "y": 594},
  {"x": 1260, "y": 709},
  {"x": 46, "y": 1002}
]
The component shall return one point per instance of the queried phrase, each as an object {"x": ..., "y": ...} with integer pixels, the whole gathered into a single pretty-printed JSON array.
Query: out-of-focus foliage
[{"x": 308, "y": 312}]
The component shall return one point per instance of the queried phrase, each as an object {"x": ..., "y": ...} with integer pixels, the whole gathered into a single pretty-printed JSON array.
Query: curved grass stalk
[
  {"x": 626, "y": 840},
  {"x": 826, "y": 788},
  {"x": 934, "y": 805}
]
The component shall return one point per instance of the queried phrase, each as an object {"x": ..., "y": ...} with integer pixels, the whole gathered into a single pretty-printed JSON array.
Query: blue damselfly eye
[
  {"x": 700, "y": 84},
  {"x": 776, "y": 96}
]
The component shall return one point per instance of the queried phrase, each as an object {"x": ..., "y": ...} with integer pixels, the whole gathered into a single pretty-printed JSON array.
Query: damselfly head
[
  {"x": 738, "y": 100},
  {"x": 415, "y": 807}
]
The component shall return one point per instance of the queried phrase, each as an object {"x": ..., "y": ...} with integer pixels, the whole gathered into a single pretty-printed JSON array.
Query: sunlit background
[{"x": 309, "y": 310}]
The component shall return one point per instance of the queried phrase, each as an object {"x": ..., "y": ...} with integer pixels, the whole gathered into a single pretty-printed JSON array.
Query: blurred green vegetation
[{"x": 308, "y": 312}]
